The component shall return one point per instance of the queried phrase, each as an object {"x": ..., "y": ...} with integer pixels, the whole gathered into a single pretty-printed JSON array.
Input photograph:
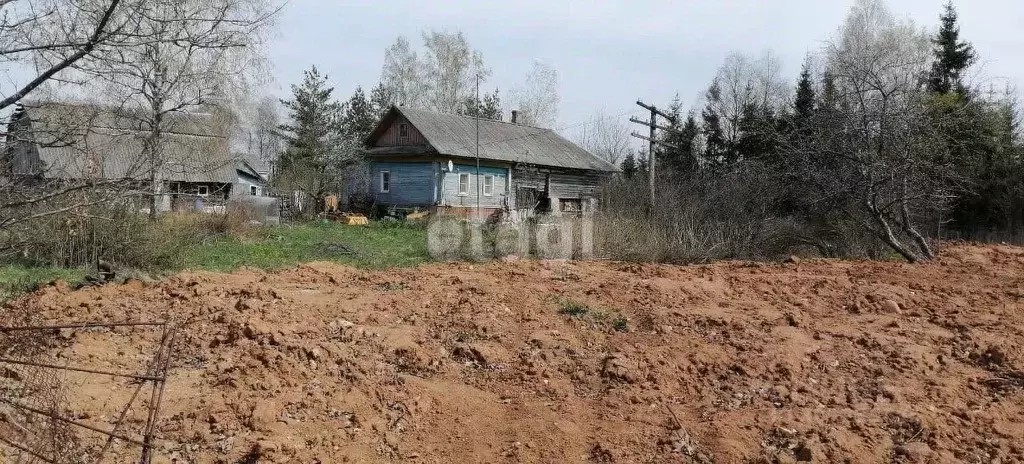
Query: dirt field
[{"x": 820, "y": 361}]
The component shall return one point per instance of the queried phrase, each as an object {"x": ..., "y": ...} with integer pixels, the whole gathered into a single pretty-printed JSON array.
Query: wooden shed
[{"x": 421, "y": 159}]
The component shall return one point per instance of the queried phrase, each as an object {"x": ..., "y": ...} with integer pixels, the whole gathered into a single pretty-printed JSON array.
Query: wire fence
[{"x": 37, "y": 372}]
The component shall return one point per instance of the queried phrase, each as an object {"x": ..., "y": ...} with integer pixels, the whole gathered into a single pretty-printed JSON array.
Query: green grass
[
  {"x": 15, "y": 280},
  {"x": 573, "y": 308},
  {"x": 376, "y": 246},
  {"x": 595, "y": 317}
]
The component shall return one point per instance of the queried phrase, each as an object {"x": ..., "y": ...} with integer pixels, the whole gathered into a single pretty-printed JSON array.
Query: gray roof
[
  {"x": 454, "y": 135},
  {"x": 76, "y": 141}
]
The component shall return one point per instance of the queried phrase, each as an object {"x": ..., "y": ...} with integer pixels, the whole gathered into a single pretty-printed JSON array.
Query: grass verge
[
  {"x": 15, "y": 280},
  {"x": 377, "y": 246}
]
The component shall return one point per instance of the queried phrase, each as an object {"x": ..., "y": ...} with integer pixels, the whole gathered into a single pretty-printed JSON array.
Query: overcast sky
[{"x": 607, "y": 53}]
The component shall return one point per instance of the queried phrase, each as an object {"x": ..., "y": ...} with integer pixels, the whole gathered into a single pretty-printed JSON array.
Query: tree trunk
[
  {"x": 153, "y": 144},
  {"x": 908, "y": 226},
  {"x": 889, "y": 237}
]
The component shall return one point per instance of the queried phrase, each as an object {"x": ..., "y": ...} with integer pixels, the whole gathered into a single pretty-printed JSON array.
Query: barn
[
  {"x": 423, "y": 160},
  {"x": 55, "y": 142}
]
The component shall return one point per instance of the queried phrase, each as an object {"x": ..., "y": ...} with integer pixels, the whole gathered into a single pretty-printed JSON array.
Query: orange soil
[{"x": 826, "y": 361}]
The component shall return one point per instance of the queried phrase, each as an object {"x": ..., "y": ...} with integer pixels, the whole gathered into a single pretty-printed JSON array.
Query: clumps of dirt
[{"x": 527, "y": 361}]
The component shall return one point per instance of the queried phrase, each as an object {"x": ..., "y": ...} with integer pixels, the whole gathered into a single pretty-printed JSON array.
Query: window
[
  {"x": 488, "y": 185},
  {"x": 464, "y": 184},
  {"x": 253, "y": 190},
  {"x": 385, "y": 182},
  {"x": 571, "y": 205},
  {"x": 204, "y": 190},
  {"x": 403, "y": 130}
]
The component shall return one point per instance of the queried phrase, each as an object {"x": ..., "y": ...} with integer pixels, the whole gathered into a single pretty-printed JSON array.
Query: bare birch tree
[
  {"x": 44, "y": 38},
  {"x": 450, "y": 70},
  {"x": 537, "y": 98},
  {"x": 604, "y": 136},
  {"x": 873, "y": 155},
  {"x": 43, "y": 41},
  {"x": 264, "y": 140},
  {"x": 441, "y": 79},
  {"x": 189, "y": 54},
  {"x": 402, "y": 74},
  {"x": 744, "y": 81}
]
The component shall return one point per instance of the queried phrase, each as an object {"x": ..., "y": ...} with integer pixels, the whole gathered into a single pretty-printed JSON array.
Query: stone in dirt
[
  {"x": 890, "y": 307},
  {"x": 264, "y": 414}
]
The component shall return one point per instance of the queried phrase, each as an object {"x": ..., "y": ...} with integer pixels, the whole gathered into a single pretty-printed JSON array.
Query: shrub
[
  {"x": 573, "y": 308},
  {"x": 117, "y": 234}
]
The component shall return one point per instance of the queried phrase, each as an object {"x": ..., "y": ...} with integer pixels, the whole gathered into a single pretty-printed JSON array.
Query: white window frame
[
  {"x": 385, "y": 188},
  {"x": 488, "y": 186},
  {"x": 468, "y": 181},
  {"x": 203, "y": 188},
  {"x": 254, "y": 190}
]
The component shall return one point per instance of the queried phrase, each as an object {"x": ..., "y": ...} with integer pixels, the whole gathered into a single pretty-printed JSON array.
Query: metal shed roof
[
  {"x": 77, "y": 141},
  {"x": 455, "y": 135}
]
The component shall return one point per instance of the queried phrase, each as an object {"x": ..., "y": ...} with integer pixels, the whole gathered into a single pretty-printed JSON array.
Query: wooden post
[
  {"x": 652, "y": 140},
  {"x": 651, "y": 158}
]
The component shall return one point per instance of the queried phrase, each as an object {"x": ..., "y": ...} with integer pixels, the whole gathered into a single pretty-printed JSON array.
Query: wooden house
[
  {"x": 420, "y": 160},
  {"x": 63, "y": 141}
]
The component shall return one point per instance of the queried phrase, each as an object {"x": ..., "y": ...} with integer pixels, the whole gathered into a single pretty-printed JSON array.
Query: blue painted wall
[
  {"x": 412, "y": 183},
  {"x": 450, "y": 191}
]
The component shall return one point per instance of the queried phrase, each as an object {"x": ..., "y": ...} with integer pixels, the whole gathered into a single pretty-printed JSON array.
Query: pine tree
[
  {"x": 313, "y": 135},
  {"x": 952, "y": 56},
  {"x": 314, "y": 118},
  {"x": 489, "y": 107},
  {"x": 359, "y": 119},
  {"x": 382, "y": 98}
]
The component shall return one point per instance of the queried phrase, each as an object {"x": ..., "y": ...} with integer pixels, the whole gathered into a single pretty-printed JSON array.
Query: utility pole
[
  {"x": 479, "y": 214},
  {"x": 652, "y": 140}
]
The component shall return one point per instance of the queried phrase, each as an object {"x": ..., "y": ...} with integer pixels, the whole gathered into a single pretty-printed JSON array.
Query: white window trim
[
  {"x": 254, "y": 190},
  {"x": 382, "y": 189},
  {"x": 469, "y": 184},
  {"x": 200, "y": 190},
  {"x": 487, "y": 178}
]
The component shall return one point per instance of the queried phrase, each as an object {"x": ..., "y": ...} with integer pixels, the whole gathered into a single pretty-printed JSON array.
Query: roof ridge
[{"x": 499, "y": 121}]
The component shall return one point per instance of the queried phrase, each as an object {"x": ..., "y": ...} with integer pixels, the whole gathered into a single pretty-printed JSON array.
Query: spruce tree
[
  {"x": 756, "y": 140},
  {"x": 679, "y": 159},
  {"x": 952, "y": 56},
  {"x": 803, "y": 105},
  {"x": 715, "y": 146},
  {"x": 629, "y": 166},
  {"x": 829, "y": 98}
]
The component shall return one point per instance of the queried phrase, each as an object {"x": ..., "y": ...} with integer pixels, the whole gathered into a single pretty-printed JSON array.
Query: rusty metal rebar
[
  {"x": 83, "y": 425},
  {"x": 27, "y": 450},
  {"x": 156, "y": 371},
  {"x": 151, "y": 370},
  {"x": 79, "y": 369},
  {"x": 158, "y": 393},
  {"x": 84, "y": 325}
]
